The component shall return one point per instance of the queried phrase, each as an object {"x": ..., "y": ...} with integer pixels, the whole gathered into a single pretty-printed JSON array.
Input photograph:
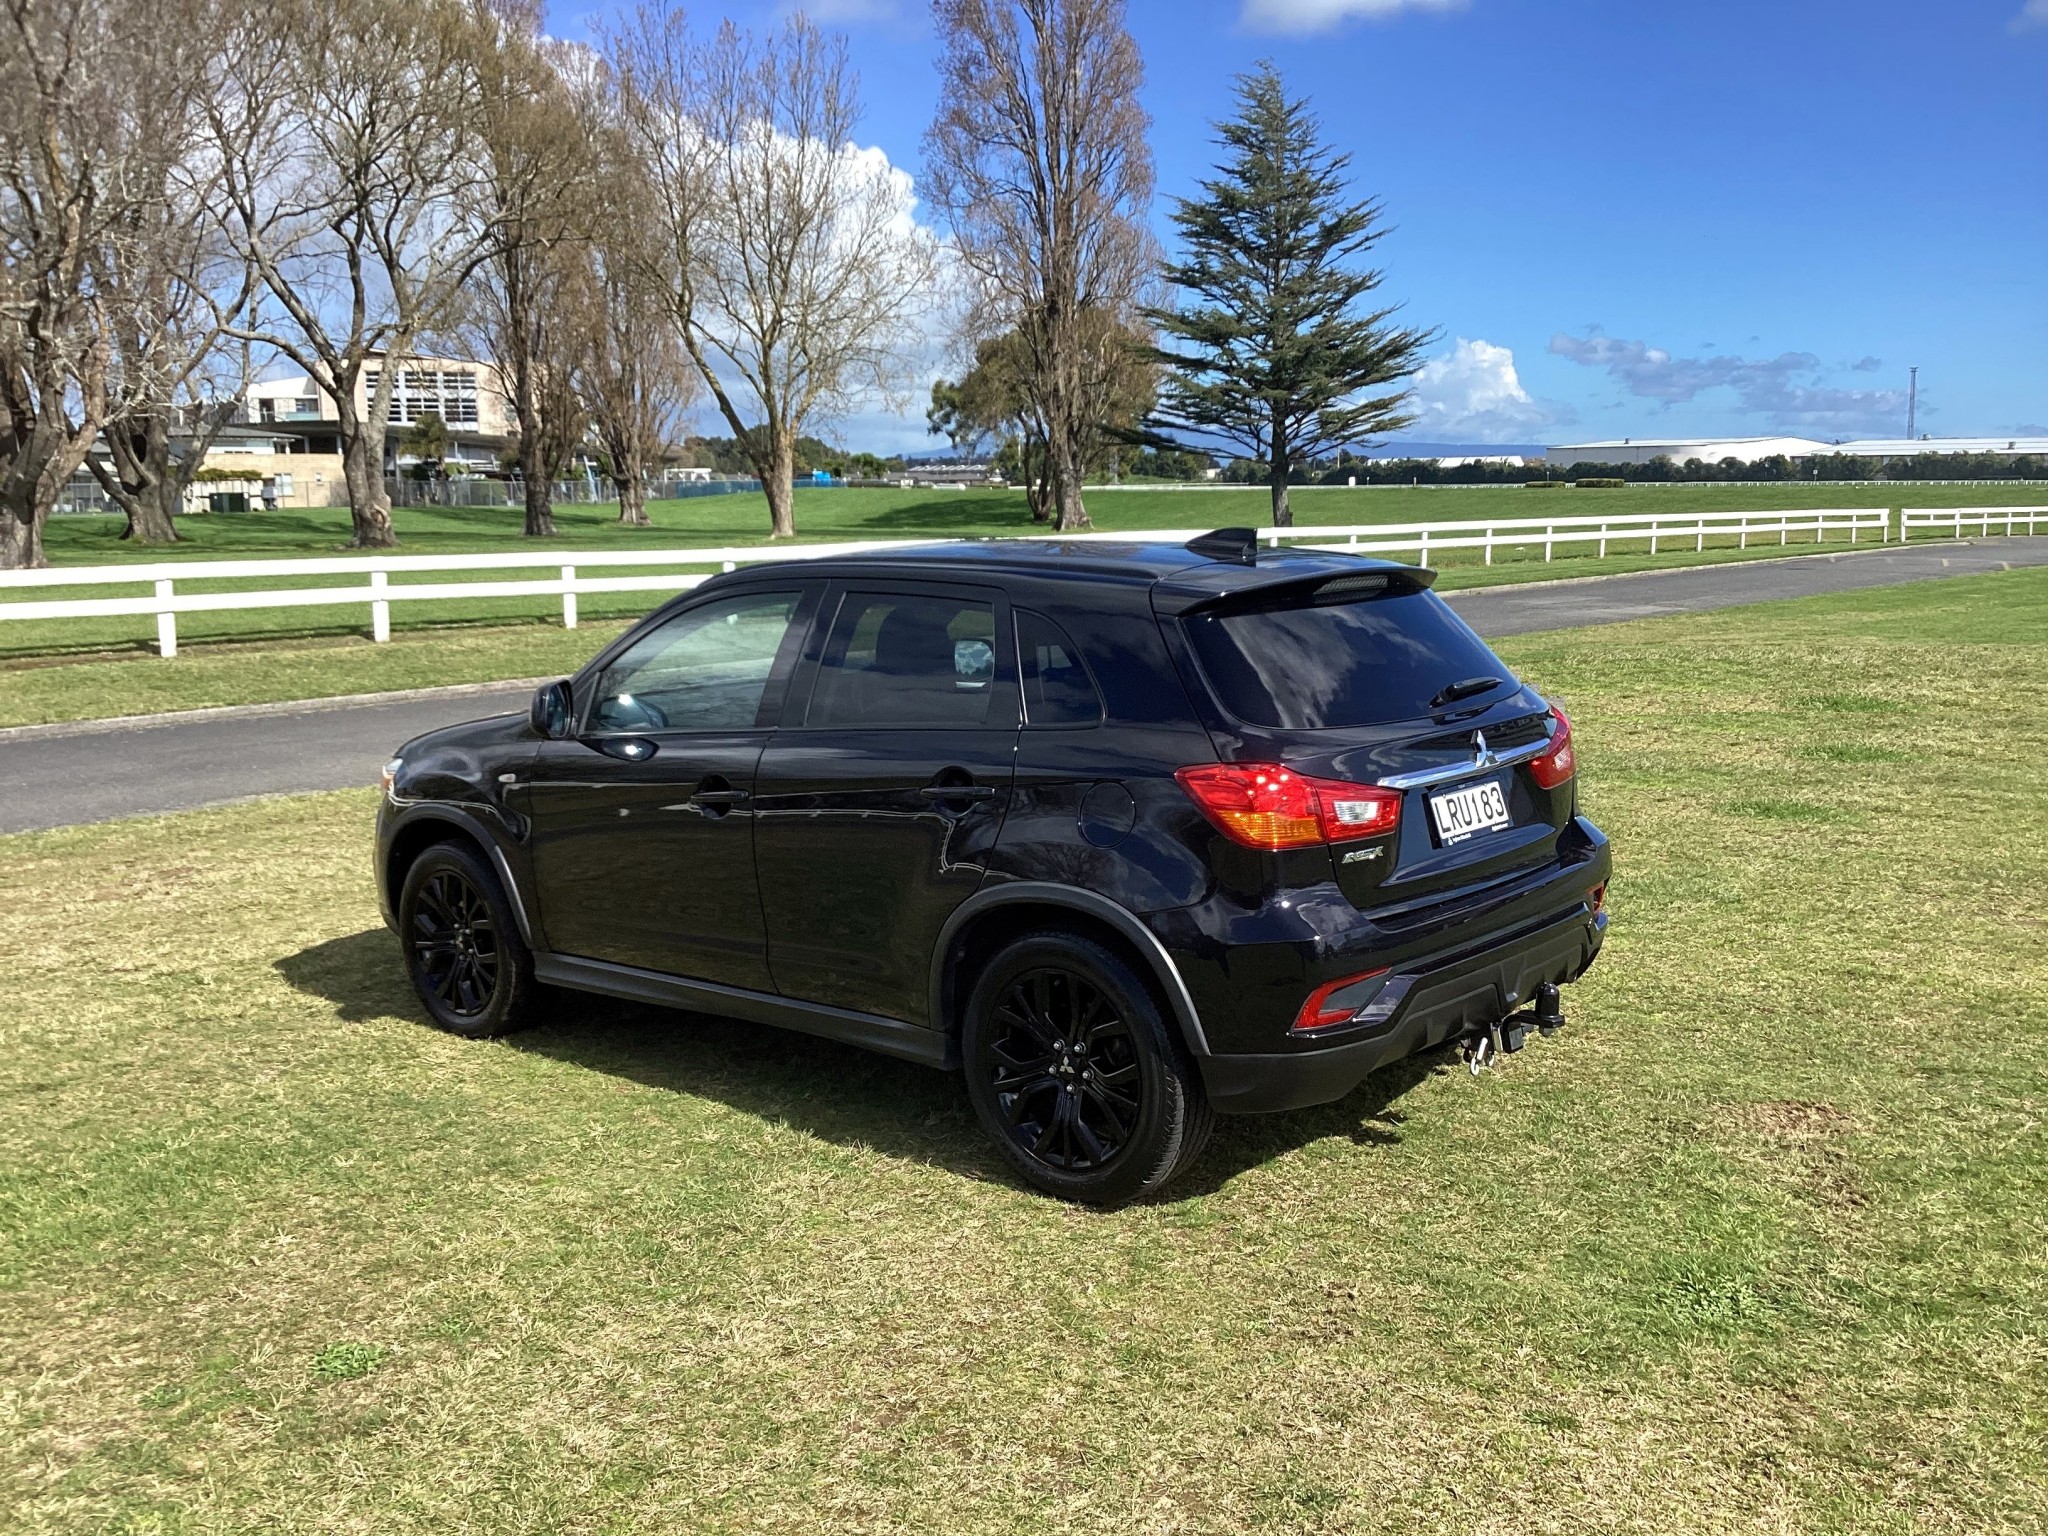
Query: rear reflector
[
  {"x": 1326, "y": 1007},
  {"x": 1558, "y": 762},
  {"x": 1263, "y": 805}
]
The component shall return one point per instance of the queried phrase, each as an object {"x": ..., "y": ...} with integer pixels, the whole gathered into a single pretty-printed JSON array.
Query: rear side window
[
  {"x": 1305, "y": 666},
  {"x": 903, "y": 659},
  {"x": 1057, "y": 688}
]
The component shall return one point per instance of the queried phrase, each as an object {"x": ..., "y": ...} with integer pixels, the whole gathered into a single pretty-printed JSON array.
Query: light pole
[{"x": 1912, "y": 401}]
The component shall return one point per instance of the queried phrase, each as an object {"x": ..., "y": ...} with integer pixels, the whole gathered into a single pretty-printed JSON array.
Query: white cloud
[
  {"x": 1473, "y": 394},
  {"x": 1786, "y": 390},
  {"x": 1299, "y": 18},
  {"x": 2033, "y": 14}
]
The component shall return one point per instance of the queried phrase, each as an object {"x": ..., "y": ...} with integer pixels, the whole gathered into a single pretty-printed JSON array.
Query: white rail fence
[
  {"x": 1552, "y": 532},
  {"x": 570, "y": 573},
  {"x": 375, "y": 586},
  {"x": 1959, "y": 522}
]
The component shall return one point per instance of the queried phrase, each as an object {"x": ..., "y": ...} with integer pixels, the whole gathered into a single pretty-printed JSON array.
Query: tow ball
[{"x": 1482, "y": 1047}]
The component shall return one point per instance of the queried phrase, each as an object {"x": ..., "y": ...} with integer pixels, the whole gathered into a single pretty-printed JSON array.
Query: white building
[
  {"x": 1909, "y": 447},
  {"x": 1710, "y": 450}
]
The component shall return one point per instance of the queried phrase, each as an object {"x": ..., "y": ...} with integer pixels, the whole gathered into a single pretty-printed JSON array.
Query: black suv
[{"x": 1133, "y": 833}]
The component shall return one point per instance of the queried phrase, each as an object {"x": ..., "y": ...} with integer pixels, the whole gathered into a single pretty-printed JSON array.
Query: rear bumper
[{"x": 1423, "y": 1004}]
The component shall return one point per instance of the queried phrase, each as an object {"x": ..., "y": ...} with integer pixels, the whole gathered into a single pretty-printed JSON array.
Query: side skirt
[{"x": 892, "y": 1037}]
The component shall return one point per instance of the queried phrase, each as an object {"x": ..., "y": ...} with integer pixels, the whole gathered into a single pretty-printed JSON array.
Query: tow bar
[{"x": 1482, "y": 1048}]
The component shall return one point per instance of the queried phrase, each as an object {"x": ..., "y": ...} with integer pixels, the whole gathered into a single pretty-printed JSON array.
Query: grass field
[
  {"x": 1758, "y": 1244},
  {"x": 862, "y": 513},
  {"x": 109, "y": 666}
]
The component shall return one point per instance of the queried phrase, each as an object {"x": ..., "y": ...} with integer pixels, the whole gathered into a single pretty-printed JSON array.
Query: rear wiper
[{"x": 1456, "y": 691}]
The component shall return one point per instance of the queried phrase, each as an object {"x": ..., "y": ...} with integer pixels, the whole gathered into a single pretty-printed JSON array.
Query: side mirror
[{"x": 550, "y": 711}]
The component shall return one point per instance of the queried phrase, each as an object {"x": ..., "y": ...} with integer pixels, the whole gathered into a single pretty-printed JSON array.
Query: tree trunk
[
  {"x": 1070, "y": 515},
  {"x": 362, "y": 467},
  {"x": 779, "y": 484},
  {"x": 633, "y": 503},
  {"x": 540, "y": 506},
  {"x": 629, "y": 476},
  {"x": 1037, "y": 480},
  {"x": 149, "y": 518},
  {"x": 143, "y": 481},
  {"x": 21, "y": 531},
  {"x": 1283, "y": 514},
  {"x": 534, "y": 468}
]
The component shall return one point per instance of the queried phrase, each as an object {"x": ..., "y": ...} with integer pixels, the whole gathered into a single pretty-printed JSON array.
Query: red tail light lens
[
  {"x": 1263, "y": 805},
  {"x": 1320, "y": 1011},
  {"x": 1558, "y": 762}
]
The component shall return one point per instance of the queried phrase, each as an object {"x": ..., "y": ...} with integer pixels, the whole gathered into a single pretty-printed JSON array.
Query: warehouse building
[
  {"x": 1912, "y": 447},
  {"x": 1710, "y": 450}
]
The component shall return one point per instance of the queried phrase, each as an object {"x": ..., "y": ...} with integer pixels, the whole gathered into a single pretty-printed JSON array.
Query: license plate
[{"x": 1461, "y": 813}]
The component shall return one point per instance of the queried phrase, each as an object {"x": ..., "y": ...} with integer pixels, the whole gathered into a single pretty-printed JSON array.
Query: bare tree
[
  {"x": 348, "y": 150},
  {"x": 796, "y": 276},
  {"x": 78, "y": 107},
  {"x": 537, "y": 192},
  {"x": 1038, "y": 156},
  {"x": 632, "y": 375},
  {"x": 636, "y": 382},
  {"x": 169, "y": 293}
]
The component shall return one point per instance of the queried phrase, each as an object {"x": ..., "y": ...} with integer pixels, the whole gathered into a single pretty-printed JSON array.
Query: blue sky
[{"x": 1631, "y": 217}]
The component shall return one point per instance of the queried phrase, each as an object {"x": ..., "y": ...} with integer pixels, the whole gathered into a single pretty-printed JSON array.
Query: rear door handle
[
  {"x": 720, "y": 797},
  {"x": 958, "y": 792}
]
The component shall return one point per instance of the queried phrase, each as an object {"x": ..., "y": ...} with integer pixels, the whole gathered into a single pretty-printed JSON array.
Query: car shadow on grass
[{"x": 835, "y": 1092}]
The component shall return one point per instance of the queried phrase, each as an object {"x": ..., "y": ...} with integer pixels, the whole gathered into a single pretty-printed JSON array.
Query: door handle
[
  {"x": 720, "y": 797},
  {"x": 958, "y": 792}
]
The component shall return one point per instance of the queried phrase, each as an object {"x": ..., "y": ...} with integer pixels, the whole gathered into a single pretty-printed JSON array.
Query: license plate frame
[{"x": 1467, "y": 810}]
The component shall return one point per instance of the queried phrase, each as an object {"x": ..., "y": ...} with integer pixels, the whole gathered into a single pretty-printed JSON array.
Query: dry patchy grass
[{"x": 1755, "y": 1245}]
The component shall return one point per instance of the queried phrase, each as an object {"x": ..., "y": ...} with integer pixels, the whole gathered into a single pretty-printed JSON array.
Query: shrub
[
  {"x": 1600, "y": 484},
  {"x": 1545, "y": 485}
]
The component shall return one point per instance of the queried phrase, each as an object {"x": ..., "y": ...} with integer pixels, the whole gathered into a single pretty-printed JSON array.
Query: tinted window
[
  {"x": 704, "y": 670},
  {"x": 1057, "y": 688},
  {"x": 1366, "y": 662},
  {"x": 898, "y": 659}
]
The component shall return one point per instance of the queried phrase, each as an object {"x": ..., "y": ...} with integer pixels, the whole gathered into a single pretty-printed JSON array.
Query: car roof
[{"x": 1134, "y": 561}]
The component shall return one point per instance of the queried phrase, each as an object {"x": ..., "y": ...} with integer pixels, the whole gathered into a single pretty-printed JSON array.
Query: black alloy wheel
[
  {"x": 1077, "y": 1072},
  {"x": 462, "y": 946},
  {"x": 1065, "y": 1070},
  {"x": 455, "y": 945}
]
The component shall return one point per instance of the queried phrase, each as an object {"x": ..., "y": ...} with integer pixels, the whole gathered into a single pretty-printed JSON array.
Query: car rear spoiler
[{"x": 1328, "y": 578}]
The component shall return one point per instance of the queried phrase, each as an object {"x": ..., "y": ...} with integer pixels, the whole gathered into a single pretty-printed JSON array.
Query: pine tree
[{"x": 1272, "y": 349}]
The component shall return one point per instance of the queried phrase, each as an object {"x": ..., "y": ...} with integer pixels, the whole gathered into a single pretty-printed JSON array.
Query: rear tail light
[
  {"x": 1325, "y": 1009},
  {"x": 1263, "y": 805},
  {"x": 1596, "y": 898},
  {"x": 1558, "y": 762}
]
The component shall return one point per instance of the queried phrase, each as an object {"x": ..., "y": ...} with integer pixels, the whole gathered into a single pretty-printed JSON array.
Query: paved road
[
  {"x": 53, "y": 776},
  {"x": 1515, "y": 610},
  {"x": 60, "y": 775}
]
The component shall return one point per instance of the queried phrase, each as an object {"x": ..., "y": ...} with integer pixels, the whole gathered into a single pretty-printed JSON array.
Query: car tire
[
  {"x": 1076, "y": 1073},
  {"x": 463, "y": 952}
]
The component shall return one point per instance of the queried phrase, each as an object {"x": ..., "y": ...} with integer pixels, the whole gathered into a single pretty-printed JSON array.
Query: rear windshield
[{"x": 1309, "y": 667}]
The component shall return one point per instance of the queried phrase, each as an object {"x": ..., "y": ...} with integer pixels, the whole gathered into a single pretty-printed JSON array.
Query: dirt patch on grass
[{"x": 1801, "y": 1140}]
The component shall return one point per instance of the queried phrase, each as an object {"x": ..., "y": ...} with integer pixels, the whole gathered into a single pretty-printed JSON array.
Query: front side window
[
  {"x": 904, "y": 659},
  {"x": 704, "y": 670}
]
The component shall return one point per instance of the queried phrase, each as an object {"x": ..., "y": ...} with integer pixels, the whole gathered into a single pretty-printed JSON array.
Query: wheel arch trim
[
  {"x": 1084, "y": 903},
  {"x": 461, "y": 819}
]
